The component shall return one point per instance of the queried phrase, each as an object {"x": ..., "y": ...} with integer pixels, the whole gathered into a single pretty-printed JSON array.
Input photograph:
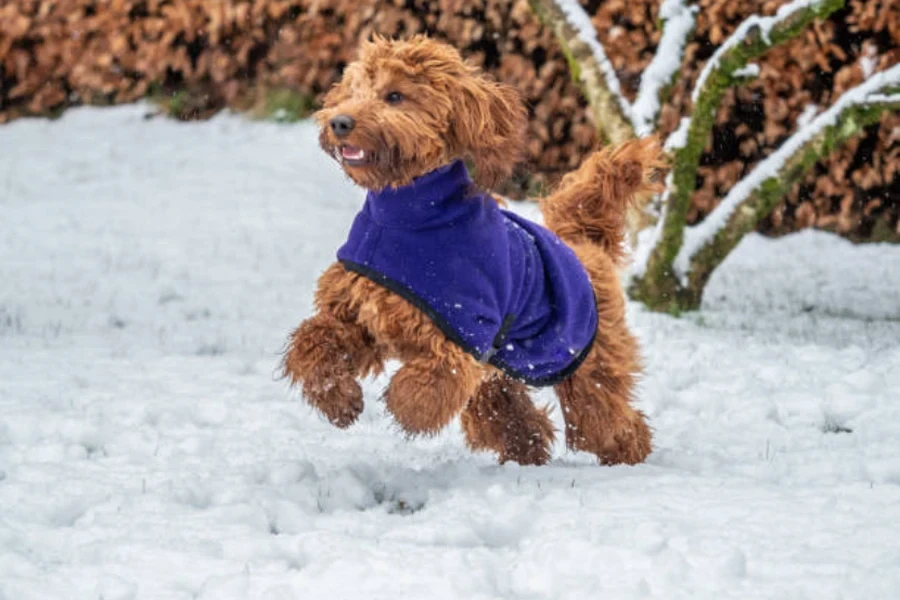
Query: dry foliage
[
  {"x": 856, "y": 192},
  {"x": 58, "y": 53}
]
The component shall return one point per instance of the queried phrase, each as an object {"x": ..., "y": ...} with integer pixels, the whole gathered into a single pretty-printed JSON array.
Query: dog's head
[{"x": 405, "y": 108}]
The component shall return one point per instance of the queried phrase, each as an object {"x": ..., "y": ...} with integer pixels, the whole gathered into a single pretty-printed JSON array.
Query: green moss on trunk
[
  {"x": 659, "y": 288},
  {"x": 763, "y": 200}
]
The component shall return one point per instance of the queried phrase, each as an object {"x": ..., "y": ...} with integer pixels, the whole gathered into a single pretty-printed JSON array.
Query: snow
[
  {"x": 868, "y": 60},
  {"x": 150, "y": 272},
  {"x": 581, "y": 21},
  {"x": 678, "y": 138},
  {"x": 806, "y": 117},
  {"x": 698, "y": 236},
  {"x": 751, "y": 70},
  {"x": 649, "y": 237},
  {"x": 679, "y": 22},
  {"x": 883, "y": 98},
  {"x": 764, "y": 24}
]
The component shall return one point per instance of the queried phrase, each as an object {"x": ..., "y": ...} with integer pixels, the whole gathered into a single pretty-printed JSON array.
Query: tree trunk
[{"x": 604, "y": 102}]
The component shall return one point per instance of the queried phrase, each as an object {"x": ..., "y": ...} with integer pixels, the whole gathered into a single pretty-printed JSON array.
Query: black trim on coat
[{"x": 490, "y": 355}]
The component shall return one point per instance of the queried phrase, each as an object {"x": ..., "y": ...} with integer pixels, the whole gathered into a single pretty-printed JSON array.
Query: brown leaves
[
  {"x": 857, "y": 185},
  {"x": 56, "y": 53}
]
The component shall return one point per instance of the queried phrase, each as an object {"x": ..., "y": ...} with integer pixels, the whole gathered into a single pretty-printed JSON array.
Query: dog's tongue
[{"x": 353, "y": 153}]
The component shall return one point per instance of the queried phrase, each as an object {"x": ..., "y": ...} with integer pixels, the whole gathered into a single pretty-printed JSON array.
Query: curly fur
[{"x": 450, "y": 110}]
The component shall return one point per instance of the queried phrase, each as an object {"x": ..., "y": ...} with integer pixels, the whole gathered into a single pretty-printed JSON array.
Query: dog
[{"x": 478, "y": 304}]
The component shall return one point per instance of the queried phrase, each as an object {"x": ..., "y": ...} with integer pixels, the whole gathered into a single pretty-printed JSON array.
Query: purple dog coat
[{"x": 505, "y": 289}]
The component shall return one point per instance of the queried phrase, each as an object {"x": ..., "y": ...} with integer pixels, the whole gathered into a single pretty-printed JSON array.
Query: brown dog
[{"x": 403, "y": 110}]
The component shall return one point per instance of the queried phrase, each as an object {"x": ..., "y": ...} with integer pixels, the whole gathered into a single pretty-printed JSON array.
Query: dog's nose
[{"x": 341, "y": 125}]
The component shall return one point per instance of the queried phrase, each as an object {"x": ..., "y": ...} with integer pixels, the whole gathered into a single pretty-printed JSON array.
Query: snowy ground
[{"x": 149, "y": 273}]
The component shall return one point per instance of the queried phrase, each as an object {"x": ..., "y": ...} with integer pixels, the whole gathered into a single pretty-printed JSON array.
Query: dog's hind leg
[
  {"x": 501, "y": 417},
  {"x": 598, "y": 415},
  {"x": 596, "y": 399}
]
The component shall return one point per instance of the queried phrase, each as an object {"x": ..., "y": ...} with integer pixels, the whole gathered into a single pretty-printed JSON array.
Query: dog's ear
[{"x": 487, "y": 124}]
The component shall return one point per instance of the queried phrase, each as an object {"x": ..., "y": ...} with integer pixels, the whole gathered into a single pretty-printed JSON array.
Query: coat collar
[{"x": 431, "y": 200}]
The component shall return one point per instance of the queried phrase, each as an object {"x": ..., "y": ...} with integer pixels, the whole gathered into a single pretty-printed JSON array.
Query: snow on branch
[
  {"x": 726, "y": 67},
  {"x": 655, "y": 281},
  {"x": 648, "y": 238},
  {"x": 775, "y": 175},
  {"x": 678, "y": 24},
  {"x": 589, "y": 65},
  {"x": 578, "y": 18},
  {"x": 766, "y": 31},
  {"x": 749, "y": 72},
  {"x": 618, "y": 119}
]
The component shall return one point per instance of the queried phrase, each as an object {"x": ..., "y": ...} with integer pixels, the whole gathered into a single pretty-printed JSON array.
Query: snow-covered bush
[{"x": 672, "y": 261}]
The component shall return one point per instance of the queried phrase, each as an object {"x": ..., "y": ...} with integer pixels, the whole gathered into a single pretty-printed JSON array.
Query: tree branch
[
  {"x": 677, "y": 23},
  {"x": 706, "y": 245},
  {"x": 659, "y": 287},
  {"x": 589, "y": 66}
]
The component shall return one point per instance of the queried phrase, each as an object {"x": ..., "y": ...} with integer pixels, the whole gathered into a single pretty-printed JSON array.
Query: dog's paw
[
  {"x": 628, "y": 442},
  {"x": 529, "y": 441},
  {"x": 340, "y": 400},
  {"x": 502, "y": 418}
]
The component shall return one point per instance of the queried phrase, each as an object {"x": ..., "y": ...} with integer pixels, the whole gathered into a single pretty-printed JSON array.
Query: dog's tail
[{"x": 591, "y": 202}]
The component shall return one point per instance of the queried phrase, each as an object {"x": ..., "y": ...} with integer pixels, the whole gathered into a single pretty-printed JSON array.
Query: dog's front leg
[
  {"x": 321, "y": 358},
  {"x": 327, "y": 352},
  {"x": 431, "y": 388}
]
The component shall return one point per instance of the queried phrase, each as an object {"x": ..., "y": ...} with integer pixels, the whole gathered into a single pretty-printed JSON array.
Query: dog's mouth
[{"x": 355, "y": 156}]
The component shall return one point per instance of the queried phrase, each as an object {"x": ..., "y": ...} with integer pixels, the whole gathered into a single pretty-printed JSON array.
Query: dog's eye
[{"x": 393, "y": 97}]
